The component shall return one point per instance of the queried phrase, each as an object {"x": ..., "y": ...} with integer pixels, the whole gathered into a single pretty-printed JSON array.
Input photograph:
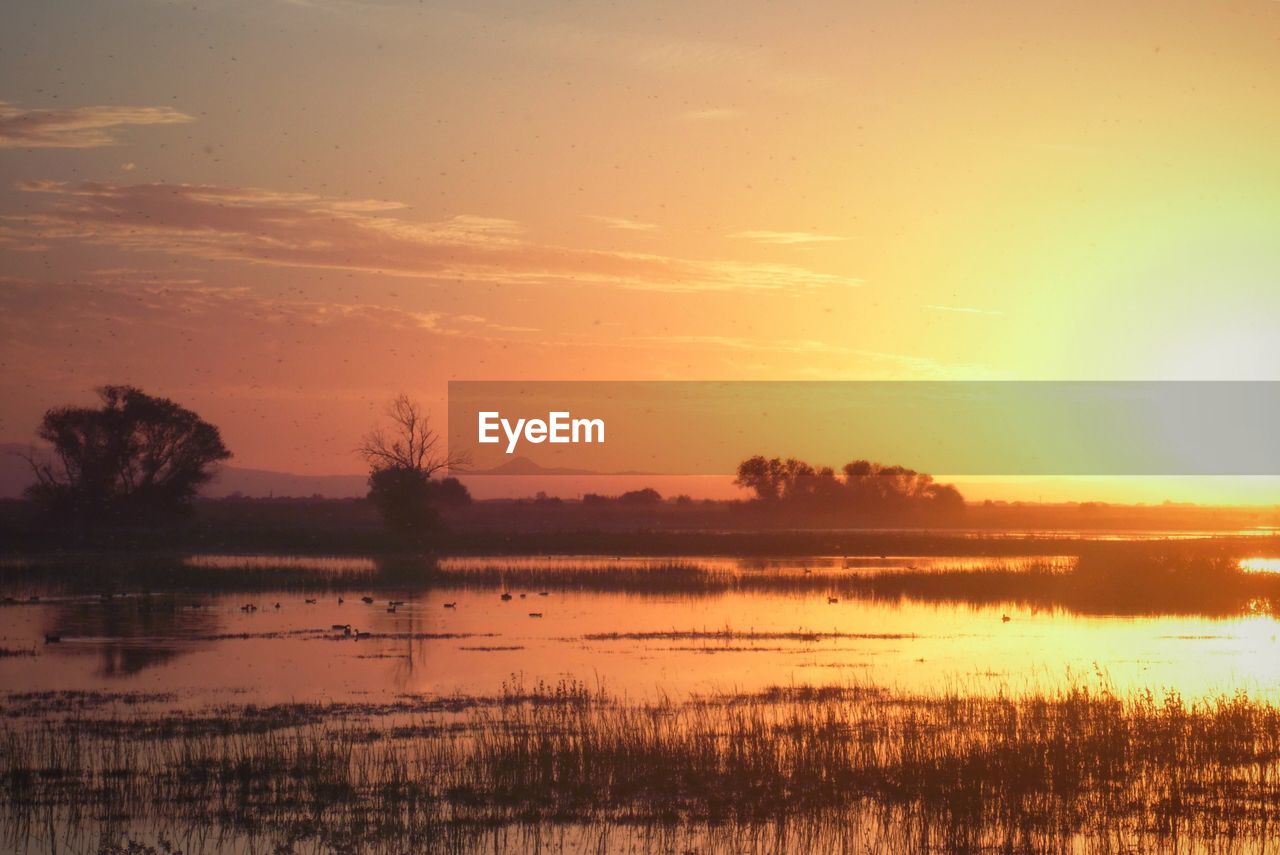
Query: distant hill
[
  {"x": 525, "y": 466},
  {"x": 516, "y": 478},
  {"x": 15, "y": 476}
]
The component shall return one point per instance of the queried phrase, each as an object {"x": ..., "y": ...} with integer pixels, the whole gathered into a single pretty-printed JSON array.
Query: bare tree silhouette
[
  {"x": 409, "y": 443},
  {"x": 402, "y": 458}
]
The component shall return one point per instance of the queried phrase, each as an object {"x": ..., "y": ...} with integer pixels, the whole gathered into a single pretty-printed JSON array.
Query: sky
[{"x": 281, "y": 214}]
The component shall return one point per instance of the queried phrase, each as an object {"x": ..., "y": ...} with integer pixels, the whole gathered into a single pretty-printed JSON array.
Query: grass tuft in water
[{"x": 961, "y": 771}]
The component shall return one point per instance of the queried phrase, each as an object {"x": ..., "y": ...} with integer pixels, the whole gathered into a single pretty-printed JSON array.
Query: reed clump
[
  {"x": 964, "y": 771},
  {"x": 1106, "y": 578},
  {"x": 602, "y": 575},
  {"x": 1188, "y": 577}
]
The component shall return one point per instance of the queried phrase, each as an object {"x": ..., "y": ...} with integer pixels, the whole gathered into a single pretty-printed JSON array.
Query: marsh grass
[
  {"x": 729, "y": 634},
  {"x": 1119, "y": 579},
  {"x": 1105, "y": 578},
  {"x": 111, "y": 573},
  {"x": 8, "y": 652},
  {"x": 956, "y": 771},
  {"x": 1179, "y": 577}
]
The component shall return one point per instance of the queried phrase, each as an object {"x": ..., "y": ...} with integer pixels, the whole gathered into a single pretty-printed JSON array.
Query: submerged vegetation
[{"x": 957, "y": 772}]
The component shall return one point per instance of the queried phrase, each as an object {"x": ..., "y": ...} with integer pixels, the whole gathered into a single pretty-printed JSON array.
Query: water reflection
[
  {"x": 126, "y": 634},
  {"x": 1260, "y": 565},
  {"x": 278, "y": 646}
]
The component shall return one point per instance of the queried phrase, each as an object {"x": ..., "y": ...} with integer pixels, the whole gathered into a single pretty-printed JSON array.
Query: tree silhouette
[
  {"x": 402, "y": 457},
  {"x": 643, "y": 496},
  {"x": 866, "y": 488},
  {"x": 134, "y": 458},
  {"x": 408, "y": 443}
]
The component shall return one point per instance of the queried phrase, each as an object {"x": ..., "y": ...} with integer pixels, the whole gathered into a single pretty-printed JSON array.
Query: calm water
[{"x": 207, "y": 649}]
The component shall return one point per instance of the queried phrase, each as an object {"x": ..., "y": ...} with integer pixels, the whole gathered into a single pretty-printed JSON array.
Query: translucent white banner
[{"x": 956, "y": 428}]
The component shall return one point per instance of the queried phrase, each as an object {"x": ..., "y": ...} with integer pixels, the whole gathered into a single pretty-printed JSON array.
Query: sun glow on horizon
[{"x": 1000, "y": 191}]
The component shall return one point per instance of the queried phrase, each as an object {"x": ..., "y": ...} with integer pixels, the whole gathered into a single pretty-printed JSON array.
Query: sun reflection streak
[{"x": 1260, "y": 565}]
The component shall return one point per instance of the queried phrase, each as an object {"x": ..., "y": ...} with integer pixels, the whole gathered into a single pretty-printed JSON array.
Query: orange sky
[{"x": 282, "y": 213}]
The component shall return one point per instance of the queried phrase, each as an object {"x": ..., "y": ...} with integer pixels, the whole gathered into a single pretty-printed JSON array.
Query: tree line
[
  {"x": 137, "y": 459},
  {"x": 860, "y": 487}
]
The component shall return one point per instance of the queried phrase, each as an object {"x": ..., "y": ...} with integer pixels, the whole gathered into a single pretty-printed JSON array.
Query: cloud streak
[
  {"x": 623, "y": 224},
  {"x": 302, "y": 230},
  {"x": 115, "y": 323},
  {"x": 962, "y": 310},
  {"x": 785, "y": 238},
  {"x": 79, "y": 127},
  {"x": 711, "y": 114},
  {"x": 916, "y": 366}
]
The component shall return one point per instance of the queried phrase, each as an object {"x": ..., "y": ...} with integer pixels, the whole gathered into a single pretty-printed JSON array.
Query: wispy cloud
[
  {"x": 60, "y": 337},
  {"x": 963, "y": 310},
  {"x": 711, "y": 114},
  {"x": 874, "y": 360},
  {"x": 110, "y": 302},
  {"x": 79, "y": 127},
  {"x": 623, "y": 224},
  {"x": 746, "y": 63},
  {"x": 785, "y": 238},
  {"x": 729, "y": 342},
  {"x": 302, "y": 230}
]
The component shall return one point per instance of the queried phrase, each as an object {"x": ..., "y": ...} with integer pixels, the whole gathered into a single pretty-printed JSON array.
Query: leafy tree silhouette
[
  {"x": 135, "y": 458},
  {"x": 866, "y": 487}
]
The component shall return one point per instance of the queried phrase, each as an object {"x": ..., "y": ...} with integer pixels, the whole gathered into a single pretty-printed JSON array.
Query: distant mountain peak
[{"x": 525, "y": 466}]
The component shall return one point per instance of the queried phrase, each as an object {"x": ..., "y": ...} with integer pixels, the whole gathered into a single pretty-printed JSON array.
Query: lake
[
  {"x": 205, "y": 647},
  {"x": 286, "y": 704}
]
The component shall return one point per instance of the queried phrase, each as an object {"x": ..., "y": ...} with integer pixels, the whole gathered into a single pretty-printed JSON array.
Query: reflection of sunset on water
[
  {"x": 661, "y": 642},
  {"x": 1260, "y": 565}
]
